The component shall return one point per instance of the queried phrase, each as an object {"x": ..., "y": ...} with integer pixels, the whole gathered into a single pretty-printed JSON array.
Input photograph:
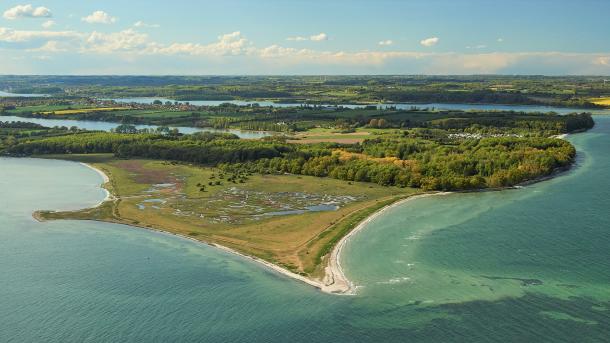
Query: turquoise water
[{"x": 525, "y": 265}]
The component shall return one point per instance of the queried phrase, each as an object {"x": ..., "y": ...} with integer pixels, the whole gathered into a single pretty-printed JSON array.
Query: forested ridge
[{"x": 568, "y": 91}]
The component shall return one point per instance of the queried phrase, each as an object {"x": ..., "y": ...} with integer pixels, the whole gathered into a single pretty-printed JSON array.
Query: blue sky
[{"x": 305, "y": 37}]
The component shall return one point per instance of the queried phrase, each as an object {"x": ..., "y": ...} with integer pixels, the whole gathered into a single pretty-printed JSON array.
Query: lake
[
  {"x": 523, "y": 265},
  {"x": 442, "y": 106},
  {"x": 13, "y": 95},
  {"x": 107, "y": 126}
]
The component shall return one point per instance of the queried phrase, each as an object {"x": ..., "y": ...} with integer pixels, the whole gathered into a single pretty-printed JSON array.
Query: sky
[{"x": 273, "y": 37}]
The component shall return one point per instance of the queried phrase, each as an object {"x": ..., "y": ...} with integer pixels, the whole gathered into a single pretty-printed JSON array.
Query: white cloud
[
  {"x": 432, "y": 41},
  {"x": 27, "y": 11},
  {"x": 48, "y": 24},
  {"x": 319, "y": 37},
  {"x": 297, "y": 38},
  {"x": 17, "y": 36},
  {"x": 52, "y": 46},
  {"x": 315, "y": 38},
  {"x": 99, "y": 17},
  {"x": 602, "y": 61},
  {"x": 144, "y": 25},
  {"x": 228, "y": 44},
  {"x": 281, "y": 55},
  {"x": 133, "y": 46},
  {"x": 124, "y": 41},
  {"x": 480, "y": 46},
  {"x": 386, "y": 42},
  {"x": 500, "y": 40}
]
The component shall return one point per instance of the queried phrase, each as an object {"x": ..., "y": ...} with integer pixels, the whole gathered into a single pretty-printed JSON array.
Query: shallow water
[
  {"x": 314, "y": 208},
  {"x": 523, "y": 265}
]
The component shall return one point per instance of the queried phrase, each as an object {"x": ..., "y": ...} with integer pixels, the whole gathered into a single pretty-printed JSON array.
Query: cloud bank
[
  {"x": 109, "y": 52},
  {"x": 27, "y": 11}
]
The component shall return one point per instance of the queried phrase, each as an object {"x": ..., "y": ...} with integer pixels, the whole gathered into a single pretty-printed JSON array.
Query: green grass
[{"x": 232, "y": 213}]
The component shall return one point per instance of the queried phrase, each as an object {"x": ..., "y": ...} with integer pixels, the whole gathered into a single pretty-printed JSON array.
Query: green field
[{"x": 44, "y": 108}]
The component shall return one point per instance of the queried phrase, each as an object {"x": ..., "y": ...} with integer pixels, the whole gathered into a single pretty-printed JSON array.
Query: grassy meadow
[{"x": 292, "y": 221}]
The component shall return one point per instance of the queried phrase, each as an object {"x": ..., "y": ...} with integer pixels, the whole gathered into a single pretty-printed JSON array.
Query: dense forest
[
  {"x": 432, "y": 158},
  {"x": 11, "y": 133}
]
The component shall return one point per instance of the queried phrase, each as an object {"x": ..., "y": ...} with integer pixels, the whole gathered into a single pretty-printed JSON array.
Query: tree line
[{"x": 423, "y": 157}]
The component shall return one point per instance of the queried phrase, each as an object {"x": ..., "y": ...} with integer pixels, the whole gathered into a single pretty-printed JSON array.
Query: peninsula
[{"x": 290, "y": 200}]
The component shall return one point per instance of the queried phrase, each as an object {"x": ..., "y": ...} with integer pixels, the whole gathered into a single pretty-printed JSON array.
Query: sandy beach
[
  {"x": 109, "y": 196},
  {"x": 335, "y": 280},
  {"x": 276, "y": 268}
]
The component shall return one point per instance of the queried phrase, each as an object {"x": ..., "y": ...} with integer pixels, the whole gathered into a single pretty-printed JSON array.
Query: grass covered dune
[{"x": 288, "y": 223}]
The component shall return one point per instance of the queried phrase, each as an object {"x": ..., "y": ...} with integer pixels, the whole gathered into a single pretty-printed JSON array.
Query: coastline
[
  {"x": 226, "y": 249},
  {"x": 334, "y": 280},
  {"x": 109, "y": 196}
]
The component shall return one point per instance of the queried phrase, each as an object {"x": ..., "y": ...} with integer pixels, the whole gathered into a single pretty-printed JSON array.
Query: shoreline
[
  {"x": 106, "y": 179},
  {"x": 334, "y": 272},
  {"x": 278, "y": 269},
  {"x": 197, "y": 128},
  {"x": 263, "y": 263},
  {"x": 334, "y": 280}
]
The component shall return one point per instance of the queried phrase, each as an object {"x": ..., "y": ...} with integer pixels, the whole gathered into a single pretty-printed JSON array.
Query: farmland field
[
  {"x": 601, "y": 101},
  {"x": 82, "y": 110}
]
